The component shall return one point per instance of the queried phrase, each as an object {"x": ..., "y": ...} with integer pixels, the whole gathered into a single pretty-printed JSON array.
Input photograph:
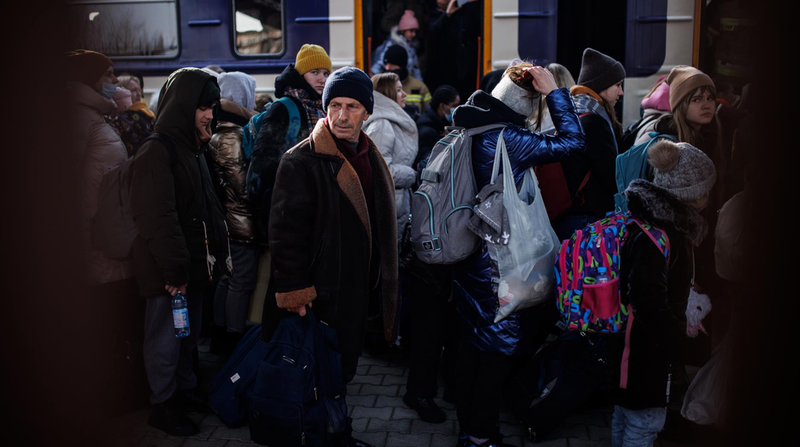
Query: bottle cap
[{"x": 601, "y": 269}]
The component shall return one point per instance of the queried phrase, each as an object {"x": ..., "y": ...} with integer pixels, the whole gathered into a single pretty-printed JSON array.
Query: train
[{"x": 152, "y": 38}]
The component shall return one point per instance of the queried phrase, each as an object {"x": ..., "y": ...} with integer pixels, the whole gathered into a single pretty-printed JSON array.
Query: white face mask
[{"x": 108, "y": 90}]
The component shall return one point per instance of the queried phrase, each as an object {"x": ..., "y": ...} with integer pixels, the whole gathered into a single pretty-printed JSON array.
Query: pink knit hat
[
  {"x": 659, "y": 100},
  {"x": 408, "y": 21}
]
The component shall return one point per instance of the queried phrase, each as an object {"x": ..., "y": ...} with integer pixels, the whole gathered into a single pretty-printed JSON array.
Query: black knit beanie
[
  {"x": 598, "y": 71},
  {"x": 396, "y": 55},
  {"x": 210, "y": 94},
  {"x": 349, "y": 82}
]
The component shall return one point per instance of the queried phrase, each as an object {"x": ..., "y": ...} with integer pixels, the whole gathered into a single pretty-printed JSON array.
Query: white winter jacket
[
  {"x": 395, "y": 134},
  {"x": 99, "y": 150}
]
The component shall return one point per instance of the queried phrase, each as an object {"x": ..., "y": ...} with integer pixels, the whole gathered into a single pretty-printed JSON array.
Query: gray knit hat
[
  {"x": 682, "y": 169},
  {"x": 598, "y": 71},
  {"x": 349, "y": 82}
]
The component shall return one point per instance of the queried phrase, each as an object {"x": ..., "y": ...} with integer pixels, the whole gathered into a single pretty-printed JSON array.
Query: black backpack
[
  {"x": 557, "y": 381},
  {"x": 112, "y": 227},
  {"x": 299, "y": 395}
]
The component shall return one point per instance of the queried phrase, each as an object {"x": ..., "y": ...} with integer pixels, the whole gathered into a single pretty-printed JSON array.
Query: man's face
[
  {"x": 345, "y": 116},
  {"x": 202, "y": 121},
  {"x": 390, "y": 67}
]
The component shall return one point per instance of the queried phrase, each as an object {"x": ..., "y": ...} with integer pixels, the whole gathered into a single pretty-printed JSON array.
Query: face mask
[
  {"x": 108, "y": 90},
  {"x": 449, "y": 116}
]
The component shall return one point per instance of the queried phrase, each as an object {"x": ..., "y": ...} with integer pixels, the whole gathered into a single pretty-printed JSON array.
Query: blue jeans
[{"x": 636, "y": 428}]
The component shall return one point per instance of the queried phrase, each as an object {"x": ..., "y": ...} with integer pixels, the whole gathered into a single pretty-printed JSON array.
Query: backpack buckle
[{"x": 433, "y": 244}]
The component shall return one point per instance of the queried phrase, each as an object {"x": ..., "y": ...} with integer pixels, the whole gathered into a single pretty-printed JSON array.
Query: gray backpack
[{"x": 442, "y": 205}]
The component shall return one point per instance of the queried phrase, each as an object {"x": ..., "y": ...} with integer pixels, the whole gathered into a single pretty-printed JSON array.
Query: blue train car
[{"x": 152, "y": 38}]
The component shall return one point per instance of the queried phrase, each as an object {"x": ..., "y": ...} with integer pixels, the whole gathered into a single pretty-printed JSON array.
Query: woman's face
[
  {"x": 446, "y": 110},
  {"x": 612, "y": 94},
  {"x": 107, "y": 78},
  {"x": 401, "y": 95},
  {"x": 701, "y": 108},
  {"x": 316, "y": 79},
  {"x": 135, "y": 89}
]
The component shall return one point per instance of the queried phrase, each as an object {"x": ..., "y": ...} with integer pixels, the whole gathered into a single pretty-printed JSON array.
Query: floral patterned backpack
[{"x": 587, "y": 304}]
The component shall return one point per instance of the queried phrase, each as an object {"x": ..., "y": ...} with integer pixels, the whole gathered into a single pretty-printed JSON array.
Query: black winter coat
[
  {"x": 174, "y": 203},
  {"x": 600, "y": 157},
  {"x": 430, "y": 127},
  {"x": 658, "y": 292},
  {"x": 322, "y": 235}
]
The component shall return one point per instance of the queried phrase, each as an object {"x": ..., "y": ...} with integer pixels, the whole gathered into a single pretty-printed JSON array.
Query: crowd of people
[{"x": 322, "y": 177}]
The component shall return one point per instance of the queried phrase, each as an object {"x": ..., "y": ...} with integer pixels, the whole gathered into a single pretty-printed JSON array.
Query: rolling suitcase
[{"x": 233, "y": 387}]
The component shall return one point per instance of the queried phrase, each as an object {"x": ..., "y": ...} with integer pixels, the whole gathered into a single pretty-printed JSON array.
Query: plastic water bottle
[
  {"x": 602, "y": 277},
  {"x": 180, "y": 315}
]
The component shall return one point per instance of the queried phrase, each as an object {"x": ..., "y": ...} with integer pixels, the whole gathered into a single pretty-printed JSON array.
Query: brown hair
[
  {"x": 612, "y": 114},
  {"x": 386, "y": 84},
  {"x": 517, "y": 73}
]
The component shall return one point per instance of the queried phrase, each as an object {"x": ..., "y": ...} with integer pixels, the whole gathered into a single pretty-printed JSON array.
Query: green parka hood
[{"x": 180, "y": 96}]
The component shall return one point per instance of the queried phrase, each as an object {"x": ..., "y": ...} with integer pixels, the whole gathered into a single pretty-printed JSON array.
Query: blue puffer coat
[{"x": 475, "y": 291}]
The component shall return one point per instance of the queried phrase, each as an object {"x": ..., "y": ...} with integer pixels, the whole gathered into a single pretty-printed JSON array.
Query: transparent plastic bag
[{"x": 525, "y": 263}]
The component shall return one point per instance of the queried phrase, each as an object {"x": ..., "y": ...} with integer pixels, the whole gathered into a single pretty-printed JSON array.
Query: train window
[
  {"x": 126, "y": 28},
  {"x": 259, "y": 26}
]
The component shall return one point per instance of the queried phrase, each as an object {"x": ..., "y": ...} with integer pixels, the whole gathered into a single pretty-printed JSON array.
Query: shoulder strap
[
  {"x": 166, "y": 142},
  {"x": 294, "y": 119},
  {"x": 481, "y": 129}
]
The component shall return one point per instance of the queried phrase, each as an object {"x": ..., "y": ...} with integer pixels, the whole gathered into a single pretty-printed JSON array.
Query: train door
[{"x": 648, "y": 36}]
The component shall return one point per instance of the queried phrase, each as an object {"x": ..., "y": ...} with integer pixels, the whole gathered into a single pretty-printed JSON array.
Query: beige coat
[{"x": 99, "y": 150}]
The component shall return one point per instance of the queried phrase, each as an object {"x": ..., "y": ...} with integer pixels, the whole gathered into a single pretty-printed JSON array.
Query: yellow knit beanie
[{"x": 311, "y": 57}]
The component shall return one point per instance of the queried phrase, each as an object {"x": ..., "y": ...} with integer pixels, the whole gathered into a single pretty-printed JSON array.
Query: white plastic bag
[
  {"x": 525, "y": 264},
  {"x": 704, "y": 400}
]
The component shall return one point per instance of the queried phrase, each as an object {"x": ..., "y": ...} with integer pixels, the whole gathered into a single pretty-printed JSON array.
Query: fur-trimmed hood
[{"x": 656, "y": 205}]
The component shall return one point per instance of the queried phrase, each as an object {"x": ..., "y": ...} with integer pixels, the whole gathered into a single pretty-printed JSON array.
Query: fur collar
[
  {"x": 657, "y": 206},
  {"x": 322, "y": 143}
]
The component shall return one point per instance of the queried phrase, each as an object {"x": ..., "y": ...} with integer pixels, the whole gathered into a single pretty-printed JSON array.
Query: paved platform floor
[{"x": 379, "y": 417}]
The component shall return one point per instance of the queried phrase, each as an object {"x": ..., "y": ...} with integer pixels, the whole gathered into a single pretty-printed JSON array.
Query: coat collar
[{"x": 322, "y": 143}]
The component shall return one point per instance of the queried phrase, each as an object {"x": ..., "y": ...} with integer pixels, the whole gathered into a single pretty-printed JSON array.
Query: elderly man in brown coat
[{"x": 332, "y": 229}]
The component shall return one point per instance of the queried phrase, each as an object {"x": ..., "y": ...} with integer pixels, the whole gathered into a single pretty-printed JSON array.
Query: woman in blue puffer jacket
[{"x": 489, "y": 349}]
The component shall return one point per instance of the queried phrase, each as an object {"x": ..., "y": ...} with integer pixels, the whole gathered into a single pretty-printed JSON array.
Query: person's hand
[
  {"x": 301, "y": 310},
  {"x": 543, "y": 81},
  {"x": 174, "y": 290}
]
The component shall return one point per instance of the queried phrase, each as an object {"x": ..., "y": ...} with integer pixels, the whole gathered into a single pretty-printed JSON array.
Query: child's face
[{"x": 699, "y": 204}]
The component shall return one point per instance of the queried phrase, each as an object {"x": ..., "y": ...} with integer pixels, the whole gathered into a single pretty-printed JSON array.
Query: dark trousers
[
  {"x": 168, "y": 360},
  {"x": 232, "y": 297},
  {"x": 433, "y": 327},
  {"x": 480, "y": 377}
]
